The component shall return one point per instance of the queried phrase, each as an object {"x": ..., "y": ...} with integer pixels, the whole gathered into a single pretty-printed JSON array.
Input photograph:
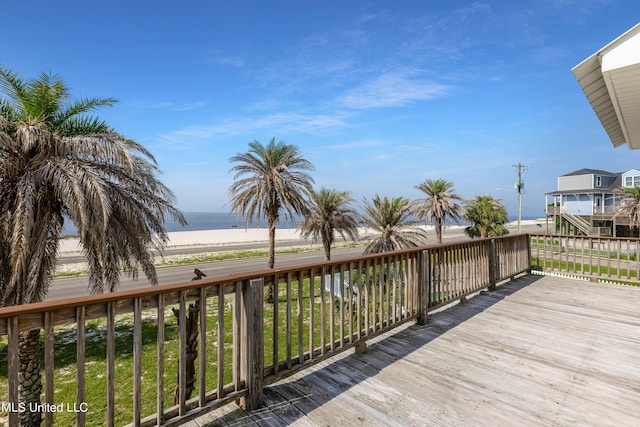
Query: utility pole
[{"x": 519, "y": 185}]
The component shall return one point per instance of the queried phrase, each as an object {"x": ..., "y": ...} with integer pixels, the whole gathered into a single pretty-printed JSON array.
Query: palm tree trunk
[
  {"x": 29, "y": 379},
  {"x": 272, "y": 256},
  {"x": 193, "y": 314},
  {"x": 327, "y": 251},
  {"x": 326, "y": 243},
  {"x": 272, "y": 244},
  {"x": 438, "y": 231}
]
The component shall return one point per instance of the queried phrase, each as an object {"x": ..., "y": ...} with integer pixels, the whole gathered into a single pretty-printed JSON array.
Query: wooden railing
[
  {"x": 587, "y": 256},
  {"x": 127, "y": 358}
]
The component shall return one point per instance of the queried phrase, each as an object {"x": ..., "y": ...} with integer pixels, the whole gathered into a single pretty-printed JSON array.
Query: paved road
[{"x": 78, "y": 286}]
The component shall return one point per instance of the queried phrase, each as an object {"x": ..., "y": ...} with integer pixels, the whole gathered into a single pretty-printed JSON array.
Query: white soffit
[{"x": 610, "y": 78}]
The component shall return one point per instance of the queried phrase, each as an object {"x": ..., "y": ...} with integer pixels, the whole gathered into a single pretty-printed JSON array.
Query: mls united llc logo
[{"x": 43, "y": 407}]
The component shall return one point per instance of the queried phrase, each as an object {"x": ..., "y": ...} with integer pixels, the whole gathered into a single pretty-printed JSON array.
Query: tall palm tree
[
  {"x": 487, "y": 216},
  {"x": 629, "y": 205},
  {"x": 57, "y": 162},
  {"x": 330, "y": 213},
  {"x": 269, "y": 179},
  {"x": 390, "y": 218},
  {"x": 439, "y": 207}
]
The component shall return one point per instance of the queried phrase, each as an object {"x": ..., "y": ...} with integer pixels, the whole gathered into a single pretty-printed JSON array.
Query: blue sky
[{"x": 378, "y": 95}]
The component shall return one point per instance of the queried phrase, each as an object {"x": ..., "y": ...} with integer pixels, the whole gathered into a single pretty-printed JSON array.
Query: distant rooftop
[
  {"x": 610, "y": 78},
  {"x": 591, "y": 172}
]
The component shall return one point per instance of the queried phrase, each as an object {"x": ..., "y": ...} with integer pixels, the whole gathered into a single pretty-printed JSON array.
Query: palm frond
[
  {"x": 12, "y": 87},
  {"x": 57, "y": 162},
  {"x": 269, "y": 180},
  {"x": 330, "y": 213},
  {"x": 487, "y": 216},
  {"x": 629, "y": 205},
  {"x": 390, "y": 218},
  {"x": 440, "y": 207}
]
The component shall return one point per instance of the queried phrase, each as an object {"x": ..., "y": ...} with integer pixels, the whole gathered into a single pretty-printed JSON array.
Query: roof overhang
[{"x": 610, "y": 78}]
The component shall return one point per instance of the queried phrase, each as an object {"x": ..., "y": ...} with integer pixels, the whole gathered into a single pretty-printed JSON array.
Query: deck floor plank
[{"x": 537, "y": 351}]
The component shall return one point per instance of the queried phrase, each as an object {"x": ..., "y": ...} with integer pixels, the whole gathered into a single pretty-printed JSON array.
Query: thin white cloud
[
  {"x": 167, "y": 105},
  {"x": 393, "y": 89},
  {"x": 548, "y": 54},
  {"x": 215, "y": 57},
  {"x": 279, "y": 123},
  {"x": 355, "y": 145},
  {"x": 231, "y": 61},
  {"x": 190, "y": 106},
  {"x": 306, "y": 71},
  {"x": 155, "y": 105},
  {"x": 370, "y": 16}
]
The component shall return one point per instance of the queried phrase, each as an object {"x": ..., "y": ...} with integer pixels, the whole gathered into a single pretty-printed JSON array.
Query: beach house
[{"x": 585, "y": 202}]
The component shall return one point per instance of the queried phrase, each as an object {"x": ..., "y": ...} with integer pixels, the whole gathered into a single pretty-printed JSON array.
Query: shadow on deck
[{"x": 537, "y": 351}]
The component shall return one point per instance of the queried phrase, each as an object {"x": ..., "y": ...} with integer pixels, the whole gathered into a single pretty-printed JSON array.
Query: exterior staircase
[{"x": 580, "y": 223}]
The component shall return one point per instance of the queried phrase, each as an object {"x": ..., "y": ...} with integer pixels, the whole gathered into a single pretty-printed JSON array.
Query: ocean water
[
  {"x": 219, "y": 221},
  {"x": 215, "y": 221},
  {"x": 201, "y": 221}
]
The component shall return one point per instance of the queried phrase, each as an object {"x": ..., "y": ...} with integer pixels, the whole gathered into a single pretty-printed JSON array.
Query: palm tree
[
  {"x": 440, "y": 207},
  {"x": 629, "y": 205},
  {"x": 487, "y": 215},
  {"x": 58, "y": 162},
  {"x": 267, "y": 180},
  {"x": 330, "y": 212},
  {"x": 390, "y": 219}
]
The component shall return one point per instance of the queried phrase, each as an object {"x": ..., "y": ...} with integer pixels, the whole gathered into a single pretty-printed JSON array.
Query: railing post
[
  {"x": 423, "y": 287},
  {"x": 492, "y": 264},
  {"x": 529, "y": 254},
  {"x": 253, "y": 342},
  {"x": 13, "y": 365}
]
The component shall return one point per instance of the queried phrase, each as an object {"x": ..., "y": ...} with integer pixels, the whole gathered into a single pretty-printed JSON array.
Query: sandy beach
[
  {"x": 251, "y": 235},
  {"x": 208, "y": 237}
]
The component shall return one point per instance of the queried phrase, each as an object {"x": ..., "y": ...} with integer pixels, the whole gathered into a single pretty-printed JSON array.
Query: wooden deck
[{"x": 538, "y": 351}]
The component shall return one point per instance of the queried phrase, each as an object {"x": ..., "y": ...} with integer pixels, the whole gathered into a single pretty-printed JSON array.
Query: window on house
[
  {"x": 632, "y": 181},
  {"x": 598, "y": 180}
]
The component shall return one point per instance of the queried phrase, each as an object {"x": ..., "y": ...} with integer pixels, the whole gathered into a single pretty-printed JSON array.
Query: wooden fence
[{"x": 166, "y": 354}]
